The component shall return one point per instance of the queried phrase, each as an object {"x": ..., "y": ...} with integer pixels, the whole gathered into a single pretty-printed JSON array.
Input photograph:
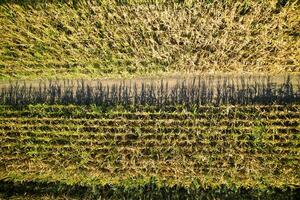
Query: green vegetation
[
  {"x": 237, "y": 150},
  {"x": 105, "y": 38},
  {"x": 212, "y": 137}
]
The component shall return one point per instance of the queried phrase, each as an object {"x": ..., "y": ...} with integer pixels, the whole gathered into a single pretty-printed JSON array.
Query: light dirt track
[{"x": 213, "y": 80}]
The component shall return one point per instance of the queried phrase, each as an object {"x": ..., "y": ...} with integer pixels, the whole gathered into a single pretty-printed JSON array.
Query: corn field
[
  {"x": 149, "y": 99},
  {"x": 203, "y": 137},
  {"x": 83, "y": 151}
]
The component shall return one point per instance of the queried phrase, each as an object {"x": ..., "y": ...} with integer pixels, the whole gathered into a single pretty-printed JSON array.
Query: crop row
[
  {"x": 226, "y": 113},
  {"x": 104, "y": 122},
  {"x": 123, "y": 164},
  {"x": 142, "y": 116},
  {"x": 150, "y": 129},
  {"x": 271, "y": 136},
  {"x": 33, "y": 151},
  {"x": 132, "y": 139},
  {"x": 58, "y": 108}
]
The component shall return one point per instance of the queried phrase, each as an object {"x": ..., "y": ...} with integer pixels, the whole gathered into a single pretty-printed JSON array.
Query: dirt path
[{"x": 171, "y": 80}]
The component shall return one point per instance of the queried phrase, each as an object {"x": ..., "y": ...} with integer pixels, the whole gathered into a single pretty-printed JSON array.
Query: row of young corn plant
[
  {"x": 119, "y": 122},
  {"x": 151, "y": 189},
  {"x": 196, "y": 92},
  {"x": 144, "y": 112},
  {"x": 226, "y": 126},
  {"x": 269, "y": 133}
]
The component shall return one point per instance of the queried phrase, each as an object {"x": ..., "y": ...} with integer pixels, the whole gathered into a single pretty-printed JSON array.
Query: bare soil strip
[{"x": 171, "y": 80}]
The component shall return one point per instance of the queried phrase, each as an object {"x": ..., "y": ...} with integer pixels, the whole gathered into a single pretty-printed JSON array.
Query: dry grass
[{"x": 94, "y": 39}]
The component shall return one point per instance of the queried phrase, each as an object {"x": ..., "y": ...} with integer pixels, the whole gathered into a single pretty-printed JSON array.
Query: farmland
[
  {"x": 119, "y": 144},
  {"x": 253, "y": 147},
  {"x": 149, "y": 99},
  {"x": 129, "y": 38}
]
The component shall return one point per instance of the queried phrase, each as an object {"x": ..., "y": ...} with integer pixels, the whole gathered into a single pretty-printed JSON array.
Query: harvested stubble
[
  {"x": 120, "y": 38},
  {"x": 193, "y": 93},
  {"x": 238, "y": 151}
]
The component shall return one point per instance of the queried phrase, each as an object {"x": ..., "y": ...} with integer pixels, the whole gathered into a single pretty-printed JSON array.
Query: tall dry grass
[{"x": 54, "y": 38}]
